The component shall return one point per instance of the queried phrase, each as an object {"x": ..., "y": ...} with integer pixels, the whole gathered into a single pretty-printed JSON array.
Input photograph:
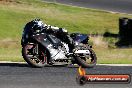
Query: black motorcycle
[{"x": 41, "y": 48}]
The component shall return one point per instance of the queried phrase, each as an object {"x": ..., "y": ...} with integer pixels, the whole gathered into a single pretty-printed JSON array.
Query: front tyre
[
  {"x": 87, "y": 61},
  {"x": 34, "y": 55}
]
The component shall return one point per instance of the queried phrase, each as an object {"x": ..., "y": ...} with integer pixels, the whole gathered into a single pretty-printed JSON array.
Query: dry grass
[
  {"x": 98, "y": 42},
  {"x": 9, "y": 43},
  {"x": 7, "y": 1}
]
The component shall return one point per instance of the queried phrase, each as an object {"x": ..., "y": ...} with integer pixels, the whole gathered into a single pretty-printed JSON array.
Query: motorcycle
[{"x": 39, "y": 51}]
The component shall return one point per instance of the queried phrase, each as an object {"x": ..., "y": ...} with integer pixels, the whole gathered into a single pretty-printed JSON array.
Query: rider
[{"x": 61, "y": 33}]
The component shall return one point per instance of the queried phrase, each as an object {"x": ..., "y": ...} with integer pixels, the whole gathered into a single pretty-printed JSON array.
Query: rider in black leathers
[{"x": 60, "y": 33}]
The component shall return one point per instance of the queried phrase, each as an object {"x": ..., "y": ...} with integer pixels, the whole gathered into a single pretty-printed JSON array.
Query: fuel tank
[
  {"x": 81, "y": 38},
  {"x": 55, "y": 53}
]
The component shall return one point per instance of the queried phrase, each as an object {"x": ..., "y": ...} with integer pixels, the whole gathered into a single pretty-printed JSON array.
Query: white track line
[
  {"x": 75, "y": 65},
  {"x": 114, "y": 64}
]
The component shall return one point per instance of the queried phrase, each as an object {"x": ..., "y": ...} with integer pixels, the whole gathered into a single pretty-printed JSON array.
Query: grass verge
[{"x": 14, "y": 14}]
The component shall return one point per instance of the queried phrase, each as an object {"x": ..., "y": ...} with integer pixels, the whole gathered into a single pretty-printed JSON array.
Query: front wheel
[
  {"x": 34, "y": 55},
  {"x": 86, "y": 61}
]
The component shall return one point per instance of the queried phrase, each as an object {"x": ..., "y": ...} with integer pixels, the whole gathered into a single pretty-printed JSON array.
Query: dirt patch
[
  {"x": 6, "y": 2},
  {"x": 9, "y": 43},
  {"x": 98, "y": 42}
]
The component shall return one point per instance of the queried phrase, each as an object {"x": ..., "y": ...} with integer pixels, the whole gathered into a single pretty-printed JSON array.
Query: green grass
[
  {"x": 14, "y": 15},
  {"x": 10, "y": 54},
  {"x": 114, "y": 56}
]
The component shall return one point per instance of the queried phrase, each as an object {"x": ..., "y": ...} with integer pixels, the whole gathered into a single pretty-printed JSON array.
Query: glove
[{"x": 63, "y": 30}]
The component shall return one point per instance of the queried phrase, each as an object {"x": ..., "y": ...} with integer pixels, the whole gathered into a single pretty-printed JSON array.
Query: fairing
[
  {"x": 81, "y": 38},
  {"x": 44, "y": 40}
]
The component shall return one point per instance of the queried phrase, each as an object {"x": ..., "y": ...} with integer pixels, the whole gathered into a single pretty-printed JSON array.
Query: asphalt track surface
[
  {"x": 16, "y": 75},
  {"x": 122, "y": 6}
]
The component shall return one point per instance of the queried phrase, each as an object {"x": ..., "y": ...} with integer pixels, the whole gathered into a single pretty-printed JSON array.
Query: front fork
[{"x": 35, "y": 50}]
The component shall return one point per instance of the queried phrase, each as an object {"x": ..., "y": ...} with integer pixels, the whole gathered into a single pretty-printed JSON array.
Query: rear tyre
[
  {"x": 87, "y": 62},
  {"x": 35, "y": 55}
]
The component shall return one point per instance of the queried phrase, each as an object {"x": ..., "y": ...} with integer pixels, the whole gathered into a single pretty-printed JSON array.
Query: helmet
[{"x": 37, "y": 26}]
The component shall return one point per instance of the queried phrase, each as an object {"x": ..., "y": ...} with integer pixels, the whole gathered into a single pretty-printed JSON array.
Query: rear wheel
[
  {"x": 86, "y": 61},
  {"x": 35, "y": 55}
]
